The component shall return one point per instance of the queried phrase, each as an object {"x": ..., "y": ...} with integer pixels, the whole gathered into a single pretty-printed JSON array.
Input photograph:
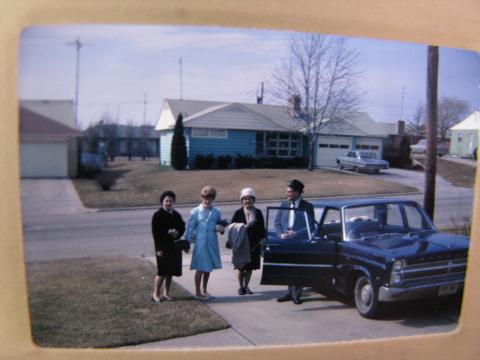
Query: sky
[{"x": 121, "y": 66}]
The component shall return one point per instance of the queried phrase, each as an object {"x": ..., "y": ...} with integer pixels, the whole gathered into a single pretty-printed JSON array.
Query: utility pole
[
  {"x": 181, "y": 77},
  {"x": 143, "y": 128},
  {"x": 78, "y": 45},
  {"x": 431, "y": 130}
]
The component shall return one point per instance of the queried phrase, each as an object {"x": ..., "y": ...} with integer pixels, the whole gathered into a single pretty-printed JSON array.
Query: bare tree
[
  {"x": 129, "y": 134},
  {"x": 450, "y": 112},
  {"x": 144, "y": 140},
  {"x": 417, "y": 125},
  {"x": 320, "y": 72},
  {"x": 92, "y": 138},
  {"x": 109, "y": 129}
]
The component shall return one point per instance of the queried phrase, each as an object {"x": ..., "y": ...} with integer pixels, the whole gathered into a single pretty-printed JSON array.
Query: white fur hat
[{"x": 247, "y": 192}]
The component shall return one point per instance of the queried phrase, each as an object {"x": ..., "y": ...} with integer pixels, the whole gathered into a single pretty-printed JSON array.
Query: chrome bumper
[{"x": 389, "y": 294}]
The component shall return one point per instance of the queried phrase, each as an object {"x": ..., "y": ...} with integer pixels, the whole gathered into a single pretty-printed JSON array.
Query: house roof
[
  {"x": 472, "y": 122},
  {"x": 32, "y": 123},
  {"x": 62, "y": 111},
  {"x": 264, "y": 117}
]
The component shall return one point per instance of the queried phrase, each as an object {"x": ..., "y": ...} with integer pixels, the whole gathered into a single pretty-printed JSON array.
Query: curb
[{"x": 191, "y": 205}]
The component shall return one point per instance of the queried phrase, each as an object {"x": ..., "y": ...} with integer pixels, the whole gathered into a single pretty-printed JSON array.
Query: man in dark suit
[{"x": 292, "y": 225}]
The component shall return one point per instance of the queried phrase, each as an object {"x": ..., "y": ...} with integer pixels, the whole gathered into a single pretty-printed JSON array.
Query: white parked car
[{"x": 421, "y": 148}]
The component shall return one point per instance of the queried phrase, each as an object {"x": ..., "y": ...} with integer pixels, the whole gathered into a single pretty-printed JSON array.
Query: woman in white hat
[{"x": 253, "y": 218}]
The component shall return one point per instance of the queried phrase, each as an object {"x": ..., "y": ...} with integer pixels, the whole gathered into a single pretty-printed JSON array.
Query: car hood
[{"x": 420, "y": 244}]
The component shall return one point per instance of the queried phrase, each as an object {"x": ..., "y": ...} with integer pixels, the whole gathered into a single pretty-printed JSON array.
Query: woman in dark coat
[
  {"x": 167, "y": 226},
  {"x": 253, "y": 217}
]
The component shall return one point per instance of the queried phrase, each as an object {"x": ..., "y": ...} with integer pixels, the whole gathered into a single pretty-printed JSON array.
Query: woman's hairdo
[
  {"x": 208, "y": 191},
  {"x": 168, "y": 193}
]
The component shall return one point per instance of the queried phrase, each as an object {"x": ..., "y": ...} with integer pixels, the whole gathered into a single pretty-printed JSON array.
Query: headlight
[
  {"x": 398, "y": 265},
  {"x": 397, "y": 271},
  {"x": 395, "y": 278}
]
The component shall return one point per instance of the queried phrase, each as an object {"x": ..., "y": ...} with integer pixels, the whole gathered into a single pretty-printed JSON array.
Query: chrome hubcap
[{"x": 366, "y": 294}]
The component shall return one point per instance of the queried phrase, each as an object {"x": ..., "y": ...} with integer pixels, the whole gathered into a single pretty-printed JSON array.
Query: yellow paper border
[{"x": 436, "y": 22}]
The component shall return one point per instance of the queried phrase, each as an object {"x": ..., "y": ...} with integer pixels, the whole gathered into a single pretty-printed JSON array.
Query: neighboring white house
[
  {"x": 48, "y": 148},
  {"x": 464, "y": 136},
  {"x": 261, "y": 130}
]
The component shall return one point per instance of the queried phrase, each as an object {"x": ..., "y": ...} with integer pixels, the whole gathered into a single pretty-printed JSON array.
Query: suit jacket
[{"x": 300, "y": 225}]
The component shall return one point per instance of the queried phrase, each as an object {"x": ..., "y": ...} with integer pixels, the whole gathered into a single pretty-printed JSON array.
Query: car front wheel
[{"x": 366, "y": 297}]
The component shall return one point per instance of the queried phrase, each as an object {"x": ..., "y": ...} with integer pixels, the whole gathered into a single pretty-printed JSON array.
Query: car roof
[{"x": 340, "y": 203}]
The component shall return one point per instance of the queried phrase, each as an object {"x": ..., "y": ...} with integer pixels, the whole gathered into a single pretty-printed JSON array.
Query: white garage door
[
  {"x": 330, "y": 147},
  {"x": 374, "y": 145},
  {"x": 39, "y": 160}
]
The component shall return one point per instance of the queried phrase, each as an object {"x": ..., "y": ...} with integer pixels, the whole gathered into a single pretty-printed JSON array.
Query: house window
[
  {"x": 460, "y": 137},
  {"x": 283, "y": 145},
  {"x": 343, "y": 146},
  {"x": 209, "y": 133},
  {"x": 323, "y": 145},
  {"x": 374, "y": 147},
  {"x": 363, "y": 147},
  {"x": 259, "y": 144}
]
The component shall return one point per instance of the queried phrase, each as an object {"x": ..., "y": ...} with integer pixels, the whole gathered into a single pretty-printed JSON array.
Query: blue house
[
  {"x": 231, "y": 128},
  {"x": 261, "y": 130}
]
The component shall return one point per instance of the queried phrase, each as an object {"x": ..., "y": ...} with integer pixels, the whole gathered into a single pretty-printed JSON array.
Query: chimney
[
  {"x": 401, "y": 127},
  {"x": 293, "y": 107}
]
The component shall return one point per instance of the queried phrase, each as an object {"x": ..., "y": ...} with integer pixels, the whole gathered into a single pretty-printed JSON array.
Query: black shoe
[
  {"x": 284, "y": 298},
  {"x": 248, "y": 291},
  {"x": 241, "y": 291},
  {"x": 297, "y": 301}
]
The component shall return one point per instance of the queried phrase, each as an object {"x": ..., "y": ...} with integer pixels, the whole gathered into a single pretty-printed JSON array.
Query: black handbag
[{"x": 182, "y": 245}]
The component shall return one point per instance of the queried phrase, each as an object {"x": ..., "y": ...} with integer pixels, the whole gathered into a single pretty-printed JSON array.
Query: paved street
[{"x": 67, "y": 230}]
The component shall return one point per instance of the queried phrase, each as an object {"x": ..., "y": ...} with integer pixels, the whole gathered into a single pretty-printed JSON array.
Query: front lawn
[
  {"x": 105, "y": 302},
  {"x": 141, "y": 183}
]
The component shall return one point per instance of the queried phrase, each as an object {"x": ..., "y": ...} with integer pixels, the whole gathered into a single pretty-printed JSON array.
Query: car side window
[
  {"x": 394, "y": 216},
  {"x": 332, "y": 225},
  {"x": 414, "y": 218}
]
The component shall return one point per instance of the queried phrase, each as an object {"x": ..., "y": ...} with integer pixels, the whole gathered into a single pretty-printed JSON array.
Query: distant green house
[{"x": 464, "y": 136}]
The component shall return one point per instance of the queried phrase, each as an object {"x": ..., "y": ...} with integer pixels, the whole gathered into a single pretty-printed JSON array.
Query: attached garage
[
  {"x": 38, "y": 160},
  {"x": 48, "y": 149},
  {"x": 329, "y": 147},
  {"x": 370, "y": 144}
]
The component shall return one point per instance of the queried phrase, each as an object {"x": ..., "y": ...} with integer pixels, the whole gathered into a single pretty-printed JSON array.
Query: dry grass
[
  {"x": 144, "y": 182},
  {"x": 458, "y": 174},
  {"x": 105, "y": 302},
  {"x": 455, "y": 173}
]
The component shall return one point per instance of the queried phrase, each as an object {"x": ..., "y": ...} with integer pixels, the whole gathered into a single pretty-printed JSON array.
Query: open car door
[{"x": 293, "y": 253}]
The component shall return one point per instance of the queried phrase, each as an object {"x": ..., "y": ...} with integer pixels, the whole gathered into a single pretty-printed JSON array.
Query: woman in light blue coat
[{"x": 203, "y": 224}]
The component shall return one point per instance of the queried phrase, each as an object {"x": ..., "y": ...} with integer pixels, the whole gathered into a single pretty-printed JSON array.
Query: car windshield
[
  {"x": 367, "y": 155},
  {"x": 379, "y": 220}
]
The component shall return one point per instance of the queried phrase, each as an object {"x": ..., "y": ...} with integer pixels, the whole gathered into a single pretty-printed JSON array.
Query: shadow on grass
[{"x": 105, "y": 302}]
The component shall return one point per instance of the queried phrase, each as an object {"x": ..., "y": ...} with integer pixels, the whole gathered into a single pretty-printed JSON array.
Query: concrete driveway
[
  {"x": 45, "y": 197},
  {"x": 259, "y": 320}
]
